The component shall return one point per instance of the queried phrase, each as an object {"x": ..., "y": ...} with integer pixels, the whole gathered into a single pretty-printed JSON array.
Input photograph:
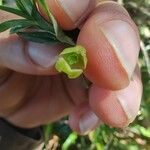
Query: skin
[{"x": 29, "y": 92}]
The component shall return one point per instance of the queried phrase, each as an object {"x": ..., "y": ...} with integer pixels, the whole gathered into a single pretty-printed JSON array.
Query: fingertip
[
  {"x": 69, "y": 13},
  {"x": 112, "y": 44},
  {"x": 83, "y": 120},
  {"x": 117, "y": 108},
  {"x": 104, "y": 68},
  {"x": 75, "y": 115},
  {"x": 105, "y": 105},
  {"x": 130, "y": 97},
  {"x": 28, "y": 57}
]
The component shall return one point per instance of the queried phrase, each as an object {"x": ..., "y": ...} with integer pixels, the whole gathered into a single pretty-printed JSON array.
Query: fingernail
[
  {"x": 88, "y": 122},
  {"x": 74, "y": 8},
  {"x": 42, "y": 55},
  {"x": 130, "y": 101},
  {"x": 125, "y": 42}
]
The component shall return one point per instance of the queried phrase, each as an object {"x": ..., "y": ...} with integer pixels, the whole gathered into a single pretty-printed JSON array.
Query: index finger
[{"x": 112, "y": 42}]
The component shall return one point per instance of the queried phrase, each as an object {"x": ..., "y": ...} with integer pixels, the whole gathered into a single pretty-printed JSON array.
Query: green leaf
[
  {"x": 47, "y": 132},
  {"x": 1, "y": 2},
  {"x": 59, "y": 33},
  {"x": 14, "y": 11},
  {"x": 40, "y": 21},
  {"x": 28, "y": 10},
  {"x": 69, "y": 141},
  {"x": 25, "y": 5},
  {"x": 39, "y": 37},
  {"x": 72, "y": 61},
  {"x": 21, "y": 28},
  {"x": 12, "y": 23}
]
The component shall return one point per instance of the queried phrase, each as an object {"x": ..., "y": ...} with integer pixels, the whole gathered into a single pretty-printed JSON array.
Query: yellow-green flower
[{"x": 72, "y": 61}]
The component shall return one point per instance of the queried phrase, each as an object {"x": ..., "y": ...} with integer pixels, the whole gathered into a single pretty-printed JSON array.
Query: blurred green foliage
[{"x": 137, "y": 135}]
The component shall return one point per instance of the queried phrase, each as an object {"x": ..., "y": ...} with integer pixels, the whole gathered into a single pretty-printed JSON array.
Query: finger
[
  {"x": 112, "y": 42},
  {"x": 83, "y": 120},
  {"x": 69, "y": 13},
  {"x": 15, "y": 55},
  {"x": 13, "y": 90},
  {"x": 4, "y": 74},
  {"x": 117, "y": 108},
  {"x": 28, "y": 57},
  {"x": 51, "y": 101},
  {"x": 77, "y": 89}
]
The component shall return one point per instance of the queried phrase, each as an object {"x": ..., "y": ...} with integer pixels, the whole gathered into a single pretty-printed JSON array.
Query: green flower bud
[{"x": 72, "y": 61}]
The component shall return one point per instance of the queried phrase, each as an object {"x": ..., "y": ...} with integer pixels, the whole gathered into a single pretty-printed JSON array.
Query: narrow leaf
[
  {"x": 59, "y": 33},
  {"x": 14, "y": 11},
  {"x": 41, "y": 22},
  {"x": 21, "y": 28},
  {"x": 39, "y": 37},
  {"x": 70, "y": 141},
  {"x": 25, "y": 5},
  {"x": 12, "y": 23}
]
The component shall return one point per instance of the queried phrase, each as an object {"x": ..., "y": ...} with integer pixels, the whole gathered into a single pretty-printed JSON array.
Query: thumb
[{"x": 28, "y": 57}]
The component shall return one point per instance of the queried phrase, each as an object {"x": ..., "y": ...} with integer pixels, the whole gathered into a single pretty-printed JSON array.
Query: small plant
[{"x": 33, "y": 27}]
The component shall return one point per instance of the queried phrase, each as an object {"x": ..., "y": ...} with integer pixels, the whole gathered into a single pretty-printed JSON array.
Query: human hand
[{"x": 33, "y": 94}]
